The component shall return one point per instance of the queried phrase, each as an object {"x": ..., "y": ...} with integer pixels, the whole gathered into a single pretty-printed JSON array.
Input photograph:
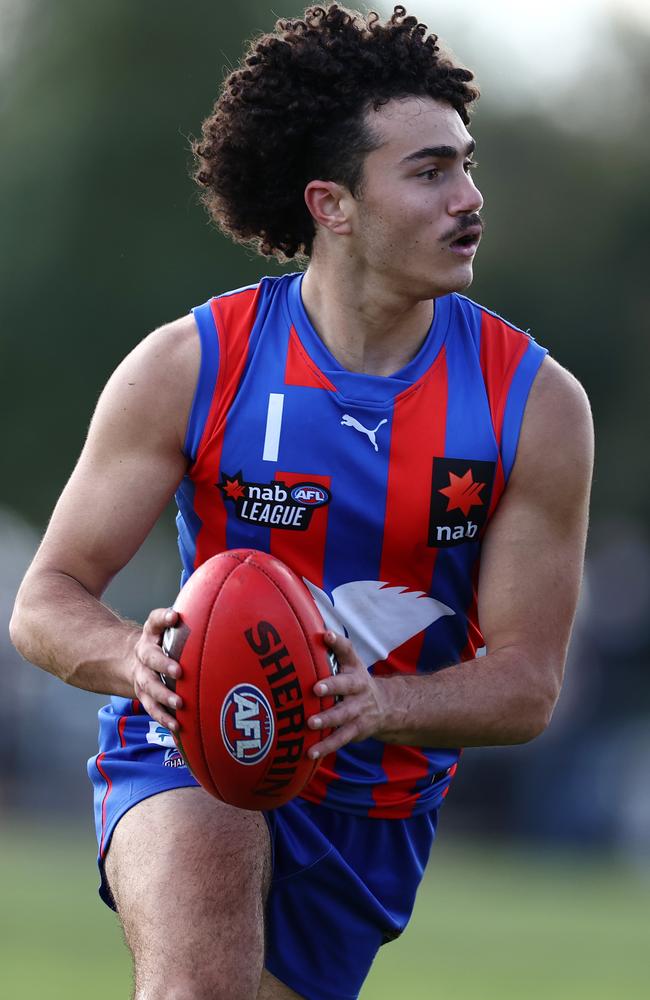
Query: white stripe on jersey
[{"x": 273, "y": 427}]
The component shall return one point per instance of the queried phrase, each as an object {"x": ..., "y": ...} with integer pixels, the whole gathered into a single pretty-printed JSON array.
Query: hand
[
  {"x": 362, "y": 710},
  {"x": 150, "y": 662}
]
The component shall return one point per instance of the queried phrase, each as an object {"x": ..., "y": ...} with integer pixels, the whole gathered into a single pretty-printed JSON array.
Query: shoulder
[
  {"x": 500, "y": 344},
  {"x": 557, "y": 441},
  {"x": 169, "y": 352},
  {"x": 558, "y": 405},
  {"x": 153, "y": 387}
]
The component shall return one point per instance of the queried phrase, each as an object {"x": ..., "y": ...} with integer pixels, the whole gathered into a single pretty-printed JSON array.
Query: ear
[{"x": 329, "y": 204}]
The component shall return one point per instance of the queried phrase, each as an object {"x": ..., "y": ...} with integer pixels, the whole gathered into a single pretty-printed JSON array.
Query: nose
[{"x": 466, "y": 197}]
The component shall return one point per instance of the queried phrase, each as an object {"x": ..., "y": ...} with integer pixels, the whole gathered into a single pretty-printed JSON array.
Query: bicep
[
  {"x": 105, "y": 512},
  {"x": 130, "y": 465},
  {"x": 532, "y": 558}
]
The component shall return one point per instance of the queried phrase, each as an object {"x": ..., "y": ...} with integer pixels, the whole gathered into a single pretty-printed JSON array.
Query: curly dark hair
[{"x": 293, "y": 111}]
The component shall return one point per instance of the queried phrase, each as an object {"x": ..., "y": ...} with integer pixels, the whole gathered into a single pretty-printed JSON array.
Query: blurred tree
[
  {"x": 103, "y": 237},
  {"x": 567, "y": 207}
]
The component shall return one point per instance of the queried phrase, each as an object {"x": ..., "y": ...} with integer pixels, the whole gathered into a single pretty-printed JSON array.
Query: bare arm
[
  {"x": 129, "y": 468},
  {"x": 531, "y": 568}
]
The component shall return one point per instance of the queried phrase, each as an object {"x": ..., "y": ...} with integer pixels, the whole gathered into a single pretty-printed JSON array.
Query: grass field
[{"x": 490, "y": 924}]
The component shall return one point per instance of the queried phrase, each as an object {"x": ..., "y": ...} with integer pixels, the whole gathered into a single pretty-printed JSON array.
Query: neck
[{"x": 368, "y": 326}]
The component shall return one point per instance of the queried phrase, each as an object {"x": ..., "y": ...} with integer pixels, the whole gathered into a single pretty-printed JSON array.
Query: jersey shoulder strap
[
  {"x": 224, "y": 323},
  {"x": 510, "y": 359}
]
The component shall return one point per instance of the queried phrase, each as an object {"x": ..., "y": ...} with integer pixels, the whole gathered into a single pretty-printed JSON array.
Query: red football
[{"x": 250, "y": 642}]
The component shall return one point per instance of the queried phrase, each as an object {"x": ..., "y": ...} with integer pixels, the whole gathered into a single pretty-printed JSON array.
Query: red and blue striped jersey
[{"x": 376, "y": 490}]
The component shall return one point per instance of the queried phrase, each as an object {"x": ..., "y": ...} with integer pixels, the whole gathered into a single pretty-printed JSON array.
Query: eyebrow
[{"x": 439, "y": 152}]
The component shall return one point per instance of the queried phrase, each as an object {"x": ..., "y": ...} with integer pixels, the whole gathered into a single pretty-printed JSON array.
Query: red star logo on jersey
[
  {"x": 232, "y": 488},
  {"x": 463, "y": 492}
]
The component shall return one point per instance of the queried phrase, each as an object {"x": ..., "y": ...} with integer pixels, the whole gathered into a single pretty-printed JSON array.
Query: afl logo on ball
[{"x": 247, "y": 725}]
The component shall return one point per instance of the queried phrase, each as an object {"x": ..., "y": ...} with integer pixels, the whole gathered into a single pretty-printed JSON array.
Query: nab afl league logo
[
  {"x": 247, "y": 725},
  {"x": 274, "y": 504}
]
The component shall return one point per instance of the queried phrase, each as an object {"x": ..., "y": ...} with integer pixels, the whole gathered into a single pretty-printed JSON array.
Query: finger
[
  {"x": 159, "y": 715},
  {"x": 160, "y": 619},
  {"x": 152, "y": 657},
  {"x": 339, "y": 738},
  {"x": 353, "y": 682},
  {"x": 351, "y": 679},
  {"x": 344, "y": 711},
  {"x": 148, "y": 685},
  {"x": 158, "y": 701},
  {"x": 342, "y": 649}
]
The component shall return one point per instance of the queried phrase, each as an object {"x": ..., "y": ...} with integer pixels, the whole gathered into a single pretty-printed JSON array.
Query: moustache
[{"x": 465, "y": 222}]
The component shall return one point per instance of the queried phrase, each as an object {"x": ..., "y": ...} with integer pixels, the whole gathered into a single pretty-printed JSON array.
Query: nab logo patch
[
  {"x": 274, "y": 504},
  {"x": 461, "y": 490},
  {"x": 247, "y": 726}
]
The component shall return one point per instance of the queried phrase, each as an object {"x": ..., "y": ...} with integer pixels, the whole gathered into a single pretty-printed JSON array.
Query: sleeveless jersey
[{"x": 375, "y": 490}]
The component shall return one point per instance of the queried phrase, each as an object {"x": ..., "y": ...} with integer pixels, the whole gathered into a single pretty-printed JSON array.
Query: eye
[
  {"x": 470, "y": 165},
  {"x": 430, "y": 174}
]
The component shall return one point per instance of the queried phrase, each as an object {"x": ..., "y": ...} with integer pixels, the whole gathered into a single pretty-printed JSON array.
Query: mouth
[{"x": 467, "y": 243}]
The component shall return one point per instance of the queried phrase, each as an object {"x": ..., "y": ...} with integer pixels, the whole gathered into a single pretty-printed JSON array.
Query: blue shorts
[{"x": 342, "y": 884}]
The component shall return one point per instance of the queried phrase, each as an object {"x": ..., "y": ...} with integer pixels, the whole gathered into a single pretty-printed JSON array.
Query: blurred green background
[
  {"x": 540, "y": 884},
  {"x": 491, "y": 923}
]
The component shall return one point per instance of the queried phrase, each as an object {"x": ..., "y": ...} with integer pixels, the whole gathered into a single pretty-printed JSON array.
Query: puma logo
[{"x": 348, "y": 421}]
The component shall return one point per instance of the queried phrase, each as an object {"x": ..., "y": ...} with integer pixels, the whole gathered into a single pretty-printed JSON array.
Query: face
[{"x": 415, "y": 221}]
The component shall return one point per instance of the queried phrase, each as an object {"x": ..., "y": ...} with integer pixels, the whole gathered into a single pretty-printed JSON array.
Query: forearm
[
  {"x": 502, "y": 698},
  {"x": 60, "y": 627}
]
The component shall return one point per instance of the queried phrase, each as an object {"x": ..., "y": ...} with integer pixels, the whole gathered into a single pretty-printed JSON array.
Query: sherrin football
[{"x": 250, "y": 642}]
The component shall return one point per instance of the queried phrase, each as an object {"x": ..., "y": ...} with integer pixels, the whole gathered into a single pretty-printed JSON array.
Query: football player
[{"x": 451, "y": 460}]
